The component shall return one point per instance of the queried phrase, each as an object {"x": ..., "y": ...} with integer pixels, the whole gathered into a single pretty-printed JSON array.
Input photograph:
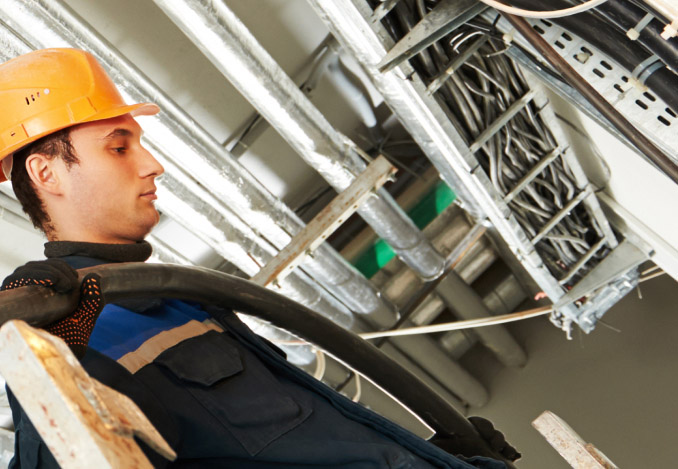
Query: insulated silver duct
[
  {"x": 181, "y": 140},
  {"x": 447, "y": 231},
  {"x": 50, "y": 23},
  {"x": 166, "y": 254},
  {"x": 222, "y": 37},
  {"x": 191, "y": 207}
]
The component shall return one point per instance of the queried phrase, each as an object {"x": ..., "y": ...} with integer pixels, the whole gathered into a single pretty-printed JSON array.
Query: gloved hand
[
  {"x": 494, "y": 438},
  {"x": 454, "y": 444},
  {"x": 53, "y": 273},
  {"x": 76, "y": 328}
]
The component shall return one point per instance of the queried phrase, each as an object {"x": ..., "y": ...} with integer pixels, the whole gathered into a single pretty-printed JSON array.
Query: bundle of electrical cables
[{"x": 474, "y": 96}]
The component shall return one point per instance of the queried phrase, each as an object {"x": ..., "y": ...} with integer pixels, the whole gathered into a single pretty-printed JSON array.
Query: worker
[{"x": 219, "y": 394}]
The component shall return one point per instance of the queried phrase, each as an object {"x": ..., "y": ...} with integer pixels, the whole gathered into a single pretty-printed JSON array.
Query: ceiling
[{"x": 292, "y": 33}]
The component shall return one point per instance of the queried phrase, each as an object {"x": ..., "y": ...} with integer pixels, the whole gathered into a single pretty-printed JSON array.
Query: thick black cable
[
  {"x": 650, "y": 9},
  {"x": 39, "y": 306},
  {"x": 642, "y": 143},
  {"x": 626, "y": 16},
  {"x": 592, "y": 28}
]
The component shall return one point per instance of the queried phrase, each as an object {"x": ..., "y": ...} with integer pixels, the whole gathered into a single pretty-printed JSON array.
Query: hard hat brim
[{"x": 135, "y": 110}]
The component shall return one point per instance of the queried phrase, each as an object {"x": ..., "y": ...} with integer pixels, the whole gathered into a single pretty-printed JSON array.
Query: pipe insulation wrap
[
  {"x": 180, "y": 139},
  {"x": 220, "y": 35},
  {"x": 229, "y": 238}
]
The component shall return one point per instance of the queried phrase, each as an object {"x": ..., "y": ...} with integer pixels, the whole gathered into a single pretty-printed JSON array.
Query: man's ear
[{"x": 43, "y": 172}]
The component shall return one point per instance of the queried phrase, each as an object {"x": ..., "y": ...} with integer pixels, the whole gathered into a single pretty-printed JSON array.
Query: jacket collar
[{"x": 137, "y": 252}]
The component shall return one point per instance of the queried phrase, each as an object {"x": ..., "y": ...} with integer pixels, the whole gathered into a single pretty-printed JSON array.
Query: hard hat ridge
[{"x": 50, "y": 89}]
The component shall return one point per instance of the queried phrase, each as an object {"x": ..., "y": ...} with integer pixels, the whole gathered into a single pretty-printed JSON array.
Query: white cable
[
  {"x": 320, "y": 365},
  {"x": 358, "y": 388},
  {"x": 650, "y": 270},
  {"x": 650, "y": 277},
  {"x": 453, "y": 326},
  {"x": 448, "y": 326},
  {"x": 543, "y": 14}
]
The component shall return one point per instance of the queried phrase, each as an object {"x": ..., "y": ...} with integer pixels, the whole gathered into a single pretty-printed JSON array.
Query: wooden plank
[
  {"x": 84, "y": 423},
  {"x": 324, "y": 224},
  {"x": 577, "y": 453}
]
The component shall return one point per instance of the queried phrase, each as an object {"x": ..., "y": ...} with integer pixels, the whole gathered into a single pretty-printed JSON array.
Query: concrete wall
[{"x": 616, "y": 389}]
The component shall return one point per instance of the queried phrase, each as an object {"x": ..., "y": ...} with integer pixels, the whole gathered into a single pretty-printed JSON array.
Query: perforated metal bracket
[{"x": 627, "y": 93}]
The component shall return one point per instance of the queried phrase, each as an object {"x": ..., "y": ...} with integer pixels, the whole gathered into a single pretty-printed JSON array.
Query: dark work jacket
[{"x": 230, "y": 399}]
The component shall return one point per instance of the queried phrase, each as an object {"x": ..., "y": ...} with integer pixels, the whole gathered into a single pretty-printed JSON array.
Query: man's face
[{"x": 111, "y": 191}]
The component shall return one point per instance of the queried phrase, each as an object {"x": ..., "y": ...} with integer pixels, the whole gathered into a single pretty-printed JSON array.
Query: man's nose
[{"x": 150, "y": 167}]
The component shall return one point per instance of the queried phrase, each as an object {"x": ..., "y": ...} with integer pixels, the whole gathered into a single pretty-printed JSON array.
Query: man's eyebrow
[{"x": 118, "y": 133}]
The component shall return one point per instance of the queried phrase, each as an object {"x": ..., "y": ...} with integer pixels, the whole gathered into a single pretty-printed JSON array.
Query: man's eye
[{"x": 120, "y": 149}]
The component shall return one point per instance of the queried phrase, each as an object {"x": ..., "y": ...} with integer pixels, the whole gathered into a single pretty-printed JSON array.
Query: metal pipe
[
  {"x": 429, "y": 355},
  {"x": 504, "y": 297},
  {"x": 355, "y": 96},
  {"x": 337, "y": 375},
  {"x": 452, "y": 228},
  {"x": 466, "y": 304},
  {"x": 375, "y": 399},
  {"x": 220, "y": 35},
  {"x": 480, "y": 256},
  {"x": 191, "y": 208},
  {"x": 180, "y": 141},
  {"x": 50, "y": 23}
]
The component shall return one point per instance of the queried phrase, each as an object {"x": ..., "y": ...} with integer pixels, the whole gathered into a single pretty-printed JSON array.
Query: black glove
[
  {"x": 76, "y": 328},
  {"x": 454, "y": 444},
  {"x": 53, "y": 273},
  {"x": 494, "y": 438}
]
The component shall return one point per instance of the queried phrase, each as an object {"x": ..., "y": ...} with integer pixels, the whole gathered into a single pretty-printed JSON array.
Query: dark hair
[{"x": 57, "y": 145}]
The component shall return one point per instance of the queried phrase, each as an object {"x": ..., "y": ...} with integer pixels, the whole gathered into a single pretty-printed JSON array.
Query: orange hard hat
[{"x": 50, "y": 89}]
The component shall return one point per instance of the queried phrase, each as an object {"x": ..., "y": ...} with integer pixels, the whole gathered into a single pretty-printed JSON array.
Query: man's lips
[{"x": 149, "y": 195}]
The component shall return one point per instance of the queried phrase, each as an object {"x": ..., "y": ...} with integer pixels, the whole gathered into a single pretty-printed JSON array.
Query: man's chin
[{"x": 143, "y": 230}]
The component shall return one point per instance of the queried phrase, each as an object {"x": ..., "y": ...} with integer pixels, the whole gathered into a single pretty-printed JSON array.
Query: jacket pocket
[{"x": 235, "y": 387}]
